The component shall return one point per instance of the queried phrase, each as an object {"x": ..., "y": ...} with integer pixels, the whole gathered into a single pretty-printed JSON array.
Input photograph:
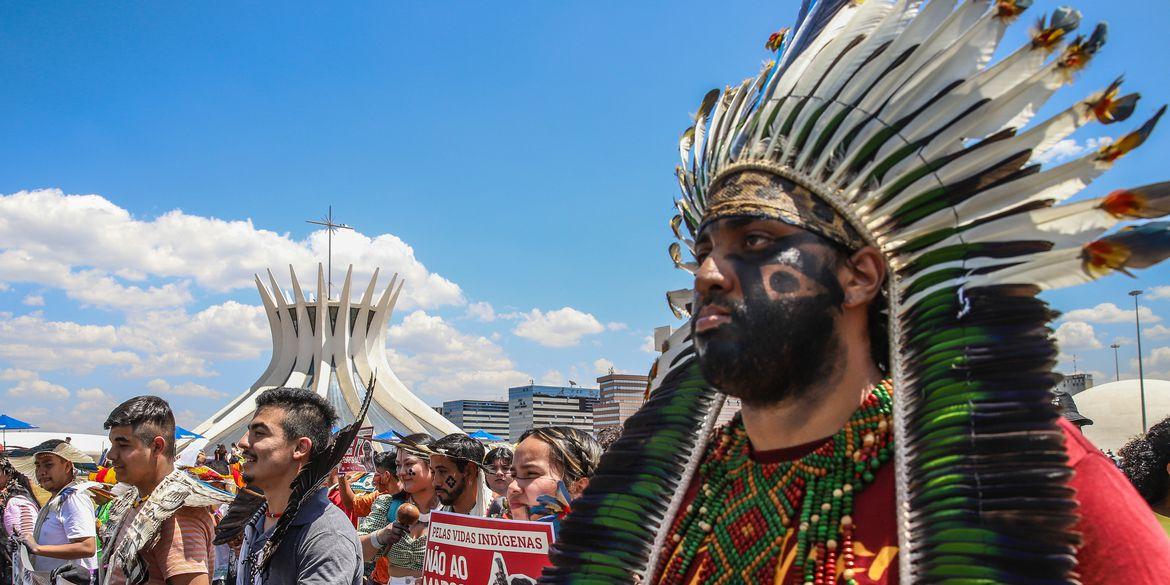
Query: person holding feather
[
  {"x": 870, "y": 232},
  {"x": 297, "y": 535}
]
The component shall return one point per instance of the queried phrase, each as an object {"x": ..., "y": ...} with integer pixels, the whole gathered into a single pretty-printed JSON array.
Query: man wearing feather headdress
[
  {"x": 317, "y": 544},
  {"x": 160, "y": 531},
  {"x": 869, "y": 237}
]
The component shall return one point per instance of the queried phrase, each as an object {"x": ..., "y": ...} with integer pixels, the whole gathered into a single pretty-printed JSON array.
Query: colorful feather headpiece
[{"x": 889, "y": 127}]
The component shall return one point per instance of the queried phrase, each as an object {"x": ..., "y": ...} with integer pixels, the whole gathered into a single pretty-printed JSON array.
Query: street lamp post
[
  {"x": 1116, "y": 366},
  {"x": 1141, "y": 373}
]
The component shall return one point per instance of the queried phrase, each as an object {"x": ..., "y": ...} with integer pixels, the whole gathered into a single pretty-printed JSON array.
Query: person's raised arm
[{"x": 345, "y": 490}]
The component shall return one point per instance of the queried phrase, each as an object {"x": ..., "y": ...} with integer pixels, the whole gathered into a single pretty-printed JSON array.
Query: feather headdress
[{"x": 890, "y": 114}]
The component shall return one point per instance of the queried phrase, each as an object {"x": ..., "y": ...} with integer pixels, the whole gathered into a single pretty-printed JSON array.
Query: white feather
[{"x": 1057, "y": 184}]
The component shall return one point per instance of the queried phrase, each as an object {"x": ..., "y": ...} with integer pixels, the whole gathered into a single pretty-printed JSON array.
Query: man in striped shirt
[{"x": 142, "y": 437}]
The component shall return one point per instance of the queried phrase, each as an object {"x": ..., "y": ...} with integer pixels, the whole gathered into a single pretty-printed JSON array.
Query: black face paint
[
  {"x": 774, "y": 349},
  {"x": 783, "y": 282},
  {"x": 454, "y": 490}
]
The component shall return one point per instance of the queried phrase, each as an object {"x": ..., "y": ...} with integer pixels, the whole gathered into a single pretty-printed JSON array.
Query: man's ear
[
  {"x": 303, "y": 448},
  {"x": 862, "y": 276},
  {"x": 158, "y": 445}
]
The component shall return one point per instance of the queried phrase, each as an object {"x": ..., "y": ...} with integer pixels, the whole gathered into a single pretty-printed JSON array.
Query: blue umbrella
[
  {"x": 485, "y": 436},
  {"x": 386, "y": 436},
  {"x": 182, "y": 433},
  {"x": 8, "y": 423}
]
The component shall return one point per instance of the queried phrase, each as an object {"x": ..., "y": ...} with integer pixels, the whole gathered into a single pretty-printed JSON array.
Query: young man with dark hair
[
  {"x": 291, "y": 426},
  {"x": 148, "y": 540},
  {"x": 457, "y": 477}
]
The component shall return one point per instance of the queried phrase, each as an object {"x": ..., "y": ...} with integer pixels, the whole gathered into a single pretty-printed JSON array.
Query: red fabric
[
  {"x": 335, "y": 497},
  {"x": 1122, "y": 542},
  {"x": 875, "y": 541}
]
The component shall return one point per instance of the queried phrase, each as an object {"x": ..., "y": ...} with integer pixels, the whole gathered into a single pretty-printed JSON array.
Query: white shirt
[{"x": 75, "y": 519}]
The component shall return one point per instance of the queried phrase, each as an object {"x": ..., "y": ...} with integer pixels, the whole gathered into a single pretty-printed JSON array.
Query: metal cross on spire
[{"x": 330, "y": 227}]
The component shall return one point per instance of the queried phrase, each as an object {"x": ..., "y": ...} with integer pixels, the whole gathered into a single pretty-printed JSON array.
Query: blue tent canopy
[
  {"x": 386, "y": 436},
  {"x": 182, "y": 433},
  {"x": 485, "y": 436},
  {"x": 8, "y": 423}
]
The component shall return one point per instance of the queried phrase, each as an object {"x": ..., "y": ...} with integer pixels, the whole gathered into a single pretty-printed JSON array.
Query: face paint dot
[{"x": 783, "y": 282}]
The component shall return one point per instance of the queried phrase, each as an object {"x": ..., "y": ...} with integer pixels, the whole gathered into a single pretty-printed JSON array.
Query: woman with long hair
[
  {"x": 404, "y": 552},
  {"x": 18, "y": 511},
  {"x": 551, "y": 467}
]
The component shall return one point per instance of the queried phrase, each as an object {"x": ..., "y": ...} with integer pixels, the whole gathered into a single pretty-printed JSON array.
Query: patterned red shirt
[{"x": 1122, "y": 542}]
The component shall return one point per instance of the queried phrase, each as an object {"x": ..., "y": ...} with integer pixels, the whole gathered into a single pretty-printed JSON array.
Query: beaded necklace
[{"x": 744, "y": 510}]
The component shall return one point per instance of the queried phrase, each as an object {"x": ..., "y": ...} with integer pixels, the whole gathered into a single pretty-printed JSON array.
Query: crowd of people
[{"x": 158, "y": 524}]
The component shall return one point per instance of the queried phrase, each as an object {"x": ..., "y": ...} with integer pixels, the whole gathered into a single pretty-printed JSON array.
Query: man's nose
[{"x": 712, "y": 275}]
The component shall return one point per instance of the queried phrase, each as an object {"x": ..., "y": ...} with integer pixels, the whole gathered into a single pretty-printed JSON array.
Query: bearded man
[
  {"x": 457, "y": 476},
  {"x": 872, "y": 188}
]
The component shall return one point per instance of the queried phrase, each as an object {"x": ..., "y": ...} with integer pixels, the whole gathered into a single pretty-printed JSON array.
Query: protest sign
[
  {"x": 356, "y": 458},
  {"x": 465, "y": 550}
]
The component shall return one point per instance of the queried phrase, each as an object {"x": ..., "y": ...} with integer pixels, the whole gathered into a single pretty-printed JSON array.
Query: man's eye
[{"x": 756, "y": 240}]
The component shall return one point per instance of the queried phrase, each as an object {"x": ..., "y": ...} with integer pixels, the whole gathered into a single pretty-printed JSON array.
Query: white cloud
[
  {"x": 616, "y": 326},
  {"x": 563, "y": 327},
  {"x": 553, "y": 378},
  {"x": 648, "y": 344},
  {"x": 436, "y": 360},
  {"x": 94, "y": 406},
  {"x": 1076, "y": 335},
  {"x": 170, "y": 364},
  {"x": 1156, "y": 332},
  {"x": 33, "y": 301},
  {"x": 1158, "y": 292},
  {"x": 1110, "y": 313},
  {"x": 90, "y": 287},
  {"x": 160, "y": 386},
  {"x": 204, "y": 334},
  {"x": 481, "y": 311},
  {"x": 105, "y": 246},
  {"x": 602, "y": 366},
  {"x": 30, "y": 385},
  {"x": 1157, "y": 359},
  {"x": 1069, "y": 149},
  {"x": 35, "y": 343}
]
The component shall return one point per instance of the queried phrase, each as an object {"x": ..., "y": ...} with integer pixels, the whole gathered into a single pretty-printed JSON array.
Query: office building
[
  {"x": 621, "y": 395},
  {"x": 1074, "y": 384},
  {"x": 479, "y": 415},
  {"x": 541, "y": 406}
]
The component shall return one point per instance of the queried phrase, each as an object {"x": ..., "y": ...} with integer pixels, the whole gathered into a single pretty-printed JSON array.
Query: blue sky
[{"x": 516, "y": 156}]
